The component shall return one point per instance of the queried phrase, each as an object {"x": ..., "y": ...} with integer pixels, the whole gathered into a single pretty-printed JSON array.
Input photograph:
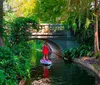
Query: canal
[
  {"x": 62, "y": 73},
  {"x": 69, "y": 74}
]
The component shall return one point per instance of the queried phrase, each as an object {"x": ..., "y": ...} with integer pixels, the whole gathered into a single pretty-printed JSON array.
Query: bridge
[
  {"x": 49, "y": 31},
  {"x": 58, "y": 35}
]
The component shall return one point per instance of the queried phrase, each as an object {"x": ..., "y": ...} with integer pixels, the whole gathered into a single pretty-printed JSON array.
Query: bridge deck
[{"x": 47, "y": 35}]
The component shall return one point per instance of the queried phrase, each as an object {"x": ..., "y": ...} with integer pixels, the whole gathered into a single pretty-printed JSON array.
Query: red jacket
[{"x": 45, "y": 50}]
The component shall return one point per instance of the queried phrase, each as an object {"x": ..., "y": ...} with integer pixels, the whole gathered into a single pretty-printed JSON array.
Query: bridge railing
[
  {"x": 49, "y": 31},
  {"x": 51, "y": 26}
]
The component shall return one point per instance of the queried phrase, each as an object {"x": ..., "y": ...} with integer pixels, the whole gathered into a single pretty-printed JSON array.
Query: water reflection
[{"x": 45, "y": 71}]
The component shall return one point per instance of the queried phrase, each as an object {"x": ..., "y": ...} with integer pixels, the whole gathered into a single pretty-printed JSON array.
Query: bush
[
  {"x": 79, "y": 52},
  {"x": 7, "y": 68},
  {"x": 14, "y": 65},
  {"x": 23, "y": 64},
  {"x": 16, "y": 62}
]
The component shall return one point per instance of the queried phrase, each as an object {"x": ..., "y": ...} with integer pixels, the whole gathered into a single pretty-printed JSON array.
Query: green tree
[
  {"x": 52, "y": 11},
  {"x": 78, "y": 8},
  {"x": 24, "y": 8}
]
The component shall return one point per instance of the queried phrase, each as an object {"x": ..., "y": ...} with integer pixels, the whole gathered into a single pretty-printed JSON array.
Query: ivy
[{"x": 21, "y": 30}]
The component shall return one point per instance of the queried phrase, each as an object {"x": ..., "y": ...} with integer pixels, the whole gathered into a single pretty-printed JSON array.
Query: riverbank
[{"x": 90, "y": 64}]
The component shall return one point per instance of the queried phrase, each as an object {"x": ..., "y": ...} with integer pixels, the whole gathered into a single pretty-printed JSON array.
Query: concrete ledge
[{"x": 90, "y": 68}]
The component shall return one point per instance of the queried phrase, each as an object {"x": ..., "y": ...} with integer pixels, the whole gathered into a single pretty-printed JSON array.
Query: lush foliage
[
  {"x": 79, "y": 52},
  {"x": 52, "y": 11},
  {"x": 24, "y": 8},
  {"x": 16, "y": 34},
  {"x": 23, "y": 51},
  {"x": 36, "y": 54},
  {"x": 16, "y": 65},
  {"x": 7, "y": 67},
  {"x": 85, "y": 36},
  {"x": 20, "y": 30},
  {"x": 56, "y": 11}
]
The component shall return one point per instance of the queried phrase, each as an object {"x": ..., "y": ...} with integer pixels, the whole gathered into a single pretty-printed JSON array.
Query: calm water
[
  {"x": 70, "y": 74},
  {"x": 65, "y": 74}
]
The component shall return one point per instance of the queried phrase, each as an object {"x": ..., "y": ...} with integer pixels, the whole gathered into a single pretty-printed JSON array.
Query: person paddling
[{"x": 45, "y": 51}]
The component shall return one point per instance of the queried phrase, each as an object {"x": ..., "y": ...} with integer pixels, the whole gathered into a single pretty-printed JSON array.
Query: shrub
[
  {"x": 79, "y": 51},
  {"x": 14, "y": 65},
  {"x": 7, "y": 68},
  {"x": 23, "y": 64}
]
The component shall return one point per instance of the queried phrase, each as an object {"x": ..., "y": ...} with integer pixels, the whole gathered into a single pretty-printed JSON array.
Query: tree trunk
[
  {"x": 1, "y": 22},
  {"x": 96, "y": 39}
]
